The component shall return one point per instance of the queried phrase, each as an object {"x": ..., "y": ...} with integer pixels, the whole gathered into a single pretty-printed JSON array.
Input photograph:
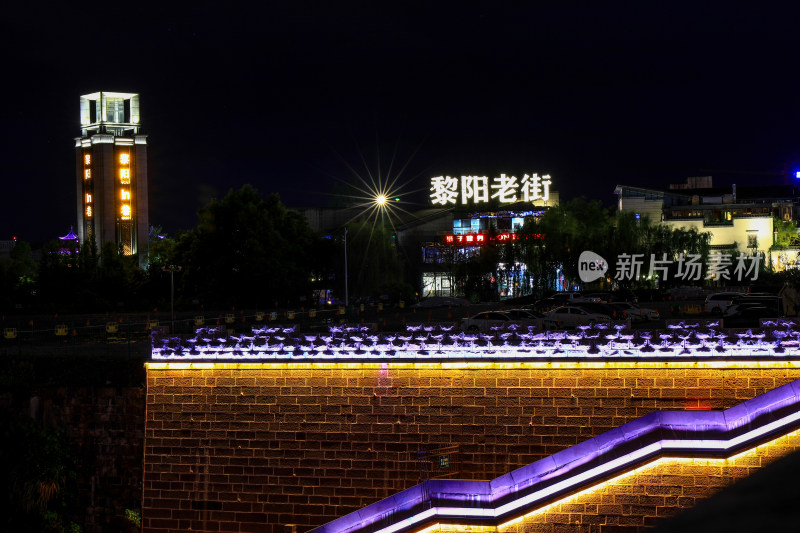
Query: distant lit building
[
  {"x": 468, "y": 216},
  {"x": 487, "y": 212},
  {"x": 461, "y": 235},
  {"x": 739, "y": 218},
  {"x": 69, "y": 243},
  {"x": 111, "y": 170}
]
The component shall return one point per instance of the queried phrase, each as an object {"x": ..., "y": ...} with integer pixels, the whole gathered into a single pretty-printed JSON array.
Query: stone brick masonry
[
  {"x": 253, "y": 447},
  {"x": 644, "y": 497}
]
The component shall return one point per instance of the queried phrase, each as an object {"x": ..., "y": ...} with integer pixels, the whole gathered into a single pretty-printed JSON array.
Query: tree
[
  {"x": 117, "y": 279},
  {"x": 17, "y": 277},
  {"x": 565, "y": 231},
  {"x": 562, "y": 233},
  {"x": 39, "y": 481},
  {"x": 246, "y": 250},
  {"x": 785, "y": 233},
  {"x": 59, "y": 283},
  {"x": 372, "y": 258}
]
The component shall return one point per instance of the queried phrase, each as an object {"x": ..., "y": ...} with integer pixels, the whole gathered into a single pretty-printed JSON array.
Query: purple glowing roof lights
[{"x": 778, "y": 339}]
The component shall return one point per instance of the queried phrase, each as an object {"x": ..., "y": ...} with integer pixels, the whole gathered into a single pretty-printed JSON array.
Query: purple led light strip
[
  {"x": 698, "y": 340},
  {"x": 670, "y": 433}
]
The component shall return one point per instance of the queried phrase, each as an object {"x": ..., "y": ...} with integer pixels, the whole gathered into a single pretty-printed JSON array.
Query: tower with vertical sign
[{"x": 111, "y": 166}]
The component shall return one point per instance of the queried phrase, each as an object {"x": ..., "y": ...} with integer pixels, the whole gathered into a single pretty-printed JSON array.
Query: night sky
[{"x": 285, "y": 97}]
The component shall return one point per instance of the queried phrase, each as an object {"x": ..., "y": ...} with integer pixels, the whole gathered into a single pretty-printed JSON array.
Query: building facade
[
  {"x": 111, "y": 174},
  {"x": 737, "y": 218},
  {"x": 487, "y": 213},
  {"x": 437, "y": 243},
  {"x": 463, "y": 235}
]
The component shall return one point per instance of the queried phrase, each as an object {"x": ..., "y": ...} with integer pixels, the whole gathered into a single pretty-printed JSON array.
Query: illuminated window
[
  {"x": 115, "y": 109},
  {"x": 124, "y": 159},
  {"x": 126, "y": 212},
  {"x": 125, "y": 175},
  {"x": 88, "y": 211},
  {"x": 88, "y": 198},
  {"x": 126, "y": 195},
  {"x": 87, "y": 174},
  {"x": 87, "y": 159}
]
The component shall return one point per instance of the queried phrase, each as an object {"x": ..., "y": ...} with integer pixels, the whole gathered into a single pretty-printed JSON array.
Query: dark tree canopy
[
  {"x": 246, "y": 250},
  {"x": 579, "y": 225}
]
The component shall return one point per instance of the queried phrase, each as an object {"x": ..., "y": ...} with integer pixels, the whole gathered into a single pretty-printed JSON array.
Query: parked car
[
  {"x": 441, "y": 301},
  {"x": 748, "y": 318},
  {"x": 523, "y": 314},
  {"x": 686, "y": 291},
  {"x": 598, "y": 307},
  {"x": 775, "y": 303},
  {"x": 637, "y": 313},
  {"x": 603, "y": 297},
  {"x": 620, "y": 312},
  {"x": 566, "y": 297},
  {"x": 570, "y": 316},
  {"x": 736, "y": 308},
  {"x": 546, "y": 304},
  {"x": 527, "y": 317},
  {"x": 718, "y": 302},
  {"x": 486, "y": 320}
]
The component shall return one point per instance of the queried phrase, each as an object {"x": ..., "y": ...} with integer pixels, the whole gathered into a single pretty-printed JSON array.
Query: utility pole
[
  {"x": 171, "y": 269},
  {"x": 346, "y": 294}
]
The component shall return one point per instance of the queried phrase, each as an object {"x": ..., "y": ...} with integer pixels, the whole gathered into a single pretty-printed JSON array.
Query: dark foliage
[{"x": 38, "y": 480}]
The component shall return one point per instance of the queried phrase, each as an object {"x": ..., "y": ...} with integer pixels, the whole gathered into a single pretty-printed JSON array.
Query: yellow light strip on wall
[
  {"x": 645, "y": 468},
  {"x": 430, "y": 529},
  {"x": 158, "y": 365},
  {"x": 444, "y": 528}
]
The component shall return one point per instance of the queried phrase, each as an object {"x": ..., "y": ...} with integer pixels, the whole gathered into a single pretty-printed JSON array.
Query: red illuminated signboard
[{"x": 471, "y": 239}]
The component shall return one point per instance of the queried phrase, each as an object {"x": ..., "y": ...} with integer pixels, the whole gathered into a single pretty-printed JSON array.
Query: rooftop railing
[{"x": 699, "y": 339}]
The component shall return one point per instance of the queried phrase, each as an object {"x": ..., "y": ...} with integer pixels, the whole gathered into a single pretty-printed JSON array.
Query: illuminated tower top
[
  {"x": 111, "y": 174},
  {"x": 107, "y": 112}
]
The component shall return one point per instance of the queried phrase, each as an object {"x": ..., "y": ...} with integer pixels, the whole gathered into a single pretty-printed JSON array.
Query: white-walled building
[{"x": 740, "y": 217}]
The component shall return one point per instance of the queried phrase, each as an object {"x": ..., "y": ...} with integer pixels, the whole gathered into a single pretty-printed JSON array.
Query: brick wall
[
  {"x": 645, "y": 496},
  {"x": 253, "y": 447},
  {"x": 105, "y": 430}
]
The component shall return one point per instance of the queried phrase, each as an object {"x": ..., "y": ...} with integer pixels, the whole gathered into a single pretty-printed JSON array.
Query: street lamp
[
  {"x": 172, "y": 269},
  {"x": 346, "y": 295}
]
